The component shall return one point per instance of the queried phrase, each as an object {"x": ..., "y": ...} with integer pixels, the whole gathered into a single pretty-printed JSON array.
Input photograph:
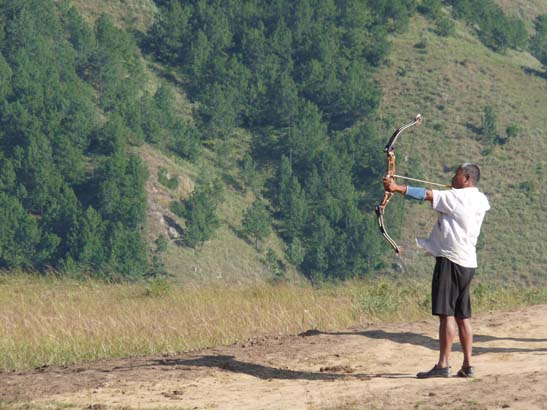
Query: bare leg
[
  {"x": 447, "y": 333},
  {"x": 466, "y": 339}
]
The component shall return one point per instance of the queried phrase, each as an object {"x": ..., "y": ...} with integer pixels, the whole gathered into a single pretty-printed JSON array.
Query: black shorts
[{"x": 450, "y": 289}]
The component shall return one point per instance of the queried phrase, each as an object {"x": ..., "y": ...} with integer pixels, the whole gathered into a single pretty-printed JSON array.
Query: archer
[{"x": 453, "y": 243}]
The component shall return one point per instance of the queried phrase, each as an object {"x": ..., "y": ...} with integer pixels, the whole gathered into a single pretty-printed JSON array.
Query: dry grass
[
  {"x": 47, "y": 321},
  {"x": 134, "y": 14},
  {"x": 523, "y": 9},
  {"x": 52, "y": 321}
]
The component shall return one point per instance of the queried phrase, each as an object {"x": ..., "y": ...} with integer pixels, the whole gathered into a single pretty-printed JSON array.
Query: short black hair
[{"x": 472, "y": 171}]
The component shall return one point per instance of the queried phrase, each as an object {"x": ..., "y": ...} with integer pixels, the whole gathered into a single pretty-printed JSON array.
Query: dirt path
[{"x": 371, "y": 368}]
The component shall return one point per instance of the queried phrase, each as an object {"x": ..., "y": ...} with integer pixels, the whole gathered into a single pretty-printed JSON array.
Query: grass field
[{"x": 45, "y": 321}]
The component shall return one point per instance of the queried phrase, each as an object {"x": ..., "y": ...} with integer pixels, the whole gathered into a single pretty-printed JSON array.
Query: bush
[
  {"x": 444, "y": 26},
  {"x": 430, "y": 8},
  {"x": 158, "y": 287},
  {"x": 512, "y": 130},
  {"x": 489, "y": 127},
  {"x": 165, "y": 179}
]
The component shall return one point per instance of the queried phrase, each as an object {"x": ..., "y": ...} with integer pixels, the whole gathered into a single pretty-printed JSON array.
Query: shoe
[
  {"x": 436, "y": 372},
  {"x": 466, "y": 371}
]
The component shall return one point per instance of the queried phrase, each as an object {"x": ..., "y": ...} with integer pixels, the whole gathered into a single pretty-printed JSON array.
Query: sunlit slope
[
  {"x": 526, "y": 10},
  {"x": 450, "y": 81},
  {"x": 132, "y": 14},
  {"x": 229, "y": 256}
]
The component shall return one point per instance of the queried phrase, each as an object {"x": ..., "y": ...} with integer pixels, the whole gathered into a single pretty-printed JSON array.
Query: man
[{"x": 452, "y": 241}]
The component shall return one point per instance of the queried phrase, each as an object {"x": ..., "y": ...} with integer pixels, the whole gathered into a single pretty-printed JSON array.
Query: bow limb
[
  {"x": 380, "y": 218},
  {"x": 389, "y": 146}
]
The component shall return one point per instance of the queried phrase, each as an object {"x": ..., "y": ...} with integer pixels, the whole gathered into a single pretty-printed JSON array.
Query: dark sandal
[{"x": 466, "y": 371}]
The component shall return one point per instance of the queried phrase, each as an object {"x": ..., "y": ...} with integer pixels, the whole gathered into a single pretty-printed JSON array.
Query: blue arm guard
[{"x": 415, "y": 192}]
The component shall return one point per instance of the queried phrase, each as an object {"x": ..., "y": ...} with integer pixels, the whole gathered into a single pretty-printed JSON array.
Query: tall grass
[{"x": 50, "y": 321}]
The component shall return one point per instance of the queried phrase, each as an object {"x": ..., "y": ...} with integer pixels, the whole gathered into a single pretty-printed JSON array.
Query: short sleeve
[{"x": 444, "y": 201}]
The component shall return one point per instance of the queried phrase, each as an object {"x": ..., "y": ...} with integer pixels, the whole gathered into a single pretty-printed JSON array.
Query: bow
[{"x": 391, "y": 174}]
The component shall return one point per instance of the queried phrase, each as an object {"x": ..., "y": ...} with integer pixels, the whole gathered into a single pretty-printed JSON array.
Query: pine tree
[
  {"x": 489, "y": 127},
  {"x": 296, "y": 211},
  {"x": 201, "y": 217},
  {"x": 257, "y": 222},
  {"x": 87, "y": 240},
  {"x": 538, "y": 43},
  {"x": 20, "y": 235}
]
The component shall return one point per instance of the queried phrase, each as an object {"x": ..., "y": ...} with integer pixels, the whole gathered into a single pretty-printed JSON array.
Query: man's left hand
[{"x": 389, "y": 184}]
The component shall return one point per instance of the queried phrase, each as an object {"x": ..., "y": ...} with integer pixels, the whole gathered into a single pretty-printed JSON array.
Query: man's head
[{"x": 467, "y": 175}]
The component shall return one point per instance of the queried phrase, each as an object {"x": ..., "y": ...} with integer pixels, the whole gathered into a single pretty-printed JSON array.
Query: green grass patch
[{"x": 167, "y": 180}]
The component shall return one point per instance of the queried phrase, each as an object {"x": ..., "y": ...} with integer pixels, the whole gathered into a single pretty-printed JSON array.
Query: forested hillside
[
  {"x": 72, "y": 195},
  {"x": 257, "y": 128}
]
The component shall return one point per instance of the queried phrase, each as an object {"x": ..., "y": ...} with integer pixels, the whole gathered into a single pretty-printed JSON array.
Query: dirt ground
[{"x": 368, "y": 368}]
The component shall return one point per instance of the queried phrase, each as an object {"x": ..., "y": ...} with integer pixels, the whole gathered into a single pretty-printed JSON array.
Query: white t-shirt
[{"x": 454, "y": 236}]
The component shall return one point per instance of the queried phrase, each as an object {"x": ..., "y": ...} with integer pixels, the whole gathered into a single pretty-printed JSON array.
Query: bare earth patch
[{"x": 369, "y": 368}]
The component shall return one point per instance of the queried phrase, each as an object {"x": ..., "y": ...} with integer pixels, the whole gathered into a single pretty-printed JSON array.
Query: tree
[
  {"x": 22, "y": 244},
  {"x": 126, "y": 251},
  {"x": 444, "y": 26},
  {"x": 295, "y": 251},
  {"x": 112, "y": 138},
  {"x": 198, "y": 55},
  {"x": 219, "y": 112},
  {"x": 257, "y": 222},
  {"x": 170, "y": 31},
  {"x": 82, "y": 39},
  {"x": 489, "y": 127},
  {"x": 122, "y": 197},
  {"x": 430, "y": 8},
  {"x": 358, "y": 96},
  {"x": 63, "y": 204},
  {"x": 518, "y": 34},
  {"x": 322, "y": 234},
  {"x": 296, "y": 209},
  {"x": 249, "y": 172},
  {"x": 158, "y": 266},
  {"x": 164, "y": 99},
  {"x": 284, "y": 180},
  {"x": 201, "y": 217},
  {"x": 5, "y": 78},
  {"x": 185, "y": 140},
  {"x": 307, "y": 136},
  {"x": 394, "y": 13},
  {"x": 284, "y": 100},
  {"x": 538, "y": 42},
  {"x": 86, "y": 240},
  {"x": 495, "y": 29}
]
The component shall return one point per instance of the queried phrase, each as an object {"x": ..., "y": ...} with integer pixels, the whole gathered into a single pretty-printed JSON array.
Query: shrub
[{"x": 166, "y": 180}]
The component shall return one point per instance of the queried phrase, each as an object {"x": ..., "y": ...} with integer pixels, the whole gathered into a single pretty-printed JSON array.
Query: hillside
[
  {"x": 527, "y": 10},
  {"x": 227, "y": 257},
  {"x": 449, "y": 80}
]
